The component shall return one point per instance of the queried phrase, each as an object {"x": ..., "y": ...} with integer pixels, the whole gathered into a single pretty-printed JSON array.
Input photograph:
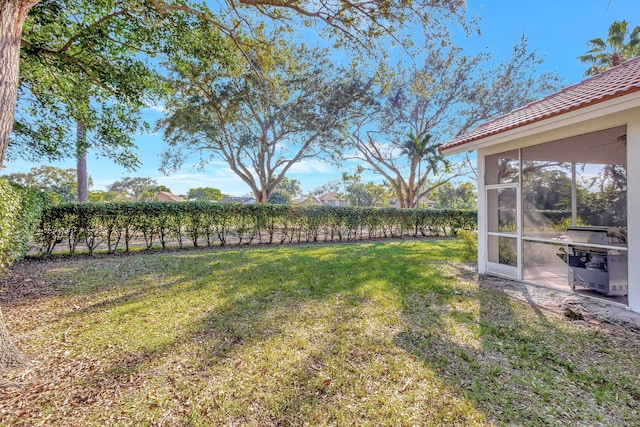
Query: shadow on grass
[
  {"x": 225, "y": 302},
  {"x": 509, "y": 361},
  {"x": 523, "y": 366}
]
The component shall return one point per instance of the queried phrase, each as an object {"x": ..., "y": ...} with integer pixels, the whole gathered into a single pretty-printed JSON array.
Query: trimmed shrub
[
  {"x": 470, "y": 240},
  {"x": 118, "y": 225},
  {"x": 20, "y": 213}
]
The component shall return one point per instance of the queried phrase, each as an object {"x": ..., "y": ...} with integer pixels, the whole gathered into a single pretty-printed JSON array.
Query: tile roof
[
  {"x": 612, "y": 83},
  {"x": 329, "y": 197},
  {"x": 168, "y": 197},
  {"x": 237, "y": 200}
]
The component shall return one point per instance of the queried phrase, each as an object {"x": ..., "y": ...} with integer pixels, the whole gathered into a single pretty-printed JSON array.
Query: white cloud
[
  {"x": 157, "y": 108},
  {"x": 311, "y": 167}
]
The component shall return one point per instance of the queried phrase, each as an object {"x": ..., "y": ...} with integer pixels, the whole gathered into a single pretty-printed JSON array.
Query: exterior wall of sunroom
[{"x": 607, "y": 121}]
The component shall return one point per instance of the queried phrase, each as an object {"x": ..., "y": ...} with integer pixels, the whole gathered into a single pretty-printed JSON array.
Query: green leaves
[
  {"x": 205, "y": 223},
  {"x": 85, "y": 62},
  {"x": 61, "y": 182},
  {"x": 260, "y": 114},
  {"x": 134, "y": 188},
  {"x": 205, "y": 194},
  {"x": 20, "y": 210},
  {"x": 616, "y": 49}
]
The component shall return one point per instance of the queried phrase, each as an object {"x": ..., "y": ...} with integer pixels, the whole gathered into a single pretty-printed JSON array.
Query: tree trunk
[
  {"x": 10, "y": 357},
  {"x": 81, "y": 168},
  {"x": 261, "y": 197},
  {"x": 410, "y": 197},
  {"x": 12, "y": 16},
  {"x": 260, "y": 194}
]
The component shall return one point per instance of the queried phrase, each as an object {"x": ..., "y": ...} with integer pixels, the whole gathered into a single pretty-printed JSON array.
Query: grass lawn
[{"x": 376, "y": 333}]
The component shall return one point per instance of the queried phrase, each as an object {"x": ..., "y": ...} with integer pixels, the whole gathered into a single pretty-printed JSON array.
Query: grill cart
[{"x": 597, "y": 259}]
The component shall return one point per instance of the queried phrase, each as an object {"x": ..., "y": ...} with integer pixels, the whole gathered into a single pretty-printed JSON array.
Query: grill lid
[{"x": 600, "y": 235}]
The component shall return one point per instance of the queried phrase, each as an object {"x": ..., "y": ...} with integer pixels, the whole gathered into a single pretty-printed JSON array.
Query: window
[
  {"x": 502, "y": 168},
  {"x": 601, "y": 192},
  {"x": 546, "y": 196},
  {"x": 580, "y": 180}
]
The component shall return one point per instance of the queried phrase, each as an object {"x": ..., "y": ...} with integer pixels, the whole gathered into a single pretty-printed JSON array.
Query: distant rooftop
[
  {"x": 165, "y": 196},
  {"x": 237, "y": 200}
]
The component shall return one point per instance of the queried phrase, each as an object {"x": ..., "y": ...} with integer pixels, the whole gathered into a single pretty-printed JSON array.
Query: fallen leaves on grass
[{"x": 306, "y": 335}]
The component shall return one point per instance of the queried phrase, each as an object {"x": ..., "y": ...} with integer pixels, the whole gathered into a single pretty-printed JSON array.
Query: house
[
  {"x": 423, "y": 203},
  {"x": 309, "y": 200},
  {"x": 245, "y": 200},
  {"x": 165, "y": 196},
  {"x": 555, "y": 187},
  {"x": 429, "y": 204},
  {"x": 331, "y": 199}
]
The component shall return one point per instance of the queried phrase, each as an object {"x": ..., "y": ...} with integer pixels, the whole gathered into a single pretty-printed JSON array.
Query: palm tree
[
  {"x": 418, "y": 149},
  {"x": 605, "y": 54}
]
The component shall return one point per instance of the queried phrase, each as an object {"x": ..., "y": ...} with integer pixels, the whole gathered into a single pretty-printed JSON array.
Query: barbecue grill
[{"x": 597, "y": 259}]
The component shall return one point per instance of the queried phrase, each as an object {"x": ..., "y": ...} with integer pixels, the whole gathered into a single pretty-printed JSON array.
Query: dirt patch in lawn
[{"x": 574, "y": 306}]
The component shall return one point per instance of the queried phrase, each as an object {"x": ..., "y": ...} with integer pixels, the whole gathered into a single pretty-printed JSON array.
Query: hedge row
[
  {"x": 114, "y": 226},
  {"x": 20, "y": 213}
]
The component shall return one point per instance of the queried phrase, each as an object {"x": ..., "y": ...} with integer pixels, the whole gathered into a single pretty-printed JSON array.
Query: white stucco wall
[
  {"x": 482, "y": 216},
  {"x": 633, "y": 209}
]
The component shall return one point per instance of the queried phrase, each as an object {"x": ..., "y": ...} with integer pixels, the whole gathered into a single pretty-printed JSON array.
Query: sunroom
[{"x": 558, "y": 200}]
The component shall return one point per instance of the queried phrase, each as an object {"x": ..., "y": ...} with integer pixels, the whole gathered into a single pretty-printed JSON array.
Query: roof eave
[{"x": 590, "y": 112}]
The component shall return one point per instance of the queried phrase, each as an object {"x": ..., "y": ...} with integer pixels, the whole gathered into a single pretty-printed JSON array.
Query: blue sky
[{"x": 559, "y": 30}]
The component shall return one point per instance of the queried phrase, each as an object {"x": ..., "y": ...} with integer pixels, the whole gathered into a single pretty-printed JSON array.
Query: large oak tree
[
  {"x": 359, "y": 23},
  {"x": 445, "y": 97},
  {"x": 298, "y": 106}
]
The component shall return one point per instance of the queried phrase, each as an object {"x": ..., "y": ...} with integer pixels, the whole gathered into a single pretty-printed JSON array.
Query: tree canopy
[
  {"x": 204, "y": 193},
  {"x": 299, "y": 107},
  {"x": 620, "y": 45},
  {"x": 459, "y": 196},
  {"x": 83, "y": 81},
  {"x": 291, "y": 186},
  {"x": 50, "y": 179},
  {"x": 135, "y": 189},
  {"x": 98, "y": 46},
  {"x": 81, "y": 62},
  {"x": 359, "y": 193},
  {"x": 279, "y": 197},
  {"x": 423, "y": 108}
]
